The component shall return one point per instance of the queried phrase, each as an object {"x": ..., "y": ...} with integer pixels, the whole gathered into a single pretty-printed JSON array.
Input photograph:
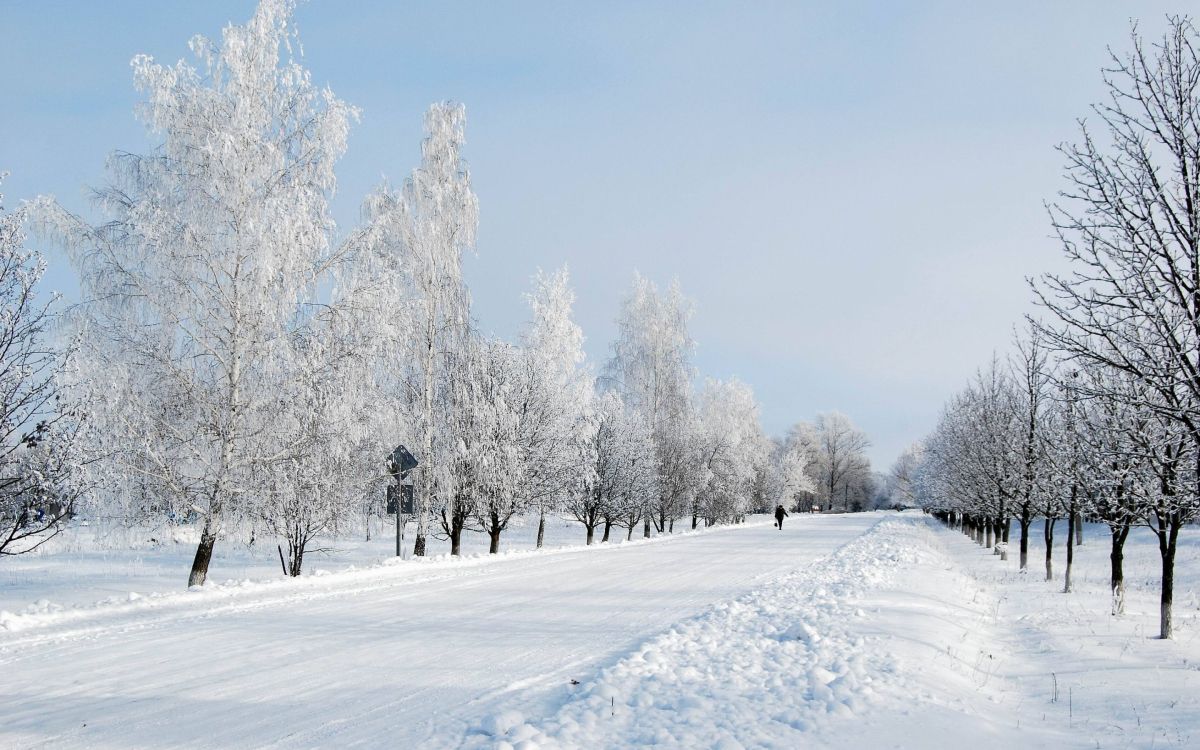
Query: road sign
[
  {"x": 402, "y": 461},
  {"x": 407, "y": 503}
]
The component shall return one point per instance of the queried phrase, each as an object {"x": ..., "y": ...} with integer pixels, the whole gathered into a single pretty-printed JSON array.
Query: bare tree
[
  {"x": 1030, "y": 379},
  {"x": 1129, "y": 223},
  {"x": 841, "y": 449}
]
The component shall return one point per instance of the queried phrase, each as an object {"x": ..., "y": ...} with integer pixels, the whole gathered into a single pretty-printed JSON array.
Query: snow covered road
[{"x": 405, "y": 656}]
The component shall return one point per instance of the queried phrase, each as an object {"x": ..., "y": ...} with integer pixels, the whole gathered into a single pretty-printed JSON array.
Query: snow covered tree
[
  {"x": 1129, "y": 224},
  {"x": 621, "y": 475},
  {"x": 39, "y": 477},
  {"x": 502, "y": 482},
  {"x": 781, "y": 476},
  {"x": 1029, "y": 382},
  {"x": 734, "y": 448},
  {"x": 902, "y": 478},
  {"x": 651, "y": 367},
  {"x": 842, "y": 461},
  {"x": 1107, "y": 467},
  {"x": 971, "y": 465},
  {"x": 192, "y": 290},
  {"x": 317, "y": 488},
  {"x": 430, "y": 224},
  {"x": 555, "y": 398}
]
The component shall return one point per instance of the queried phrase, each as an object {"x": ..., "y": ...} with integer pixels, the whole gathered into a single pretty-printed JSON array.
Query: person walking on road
[{"x": 779, "y": 515}]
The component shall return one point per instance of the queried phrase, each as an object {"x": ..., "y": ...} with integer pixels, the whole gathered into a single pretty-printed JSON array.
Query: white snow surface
[
  {"x": 402, "y": 655},
  {"x": 908, "y": 636},
  {"x": 868, "y": 630},
  {"x": 768, "y": 669}
]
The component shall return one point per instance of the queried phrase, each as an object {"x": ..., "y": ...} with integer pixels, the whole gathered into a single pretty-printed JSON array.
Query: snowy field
[{"x": 868, "y": 630}]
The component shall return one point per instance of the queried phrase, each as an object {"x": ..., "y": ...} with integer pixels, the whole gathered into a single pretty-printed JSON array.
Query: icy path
[{"x": 398, "y": 657}]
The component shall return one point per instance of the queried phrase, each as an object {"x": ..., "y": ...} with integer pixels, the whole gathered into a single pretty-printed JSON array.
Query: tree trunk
[
  {"x": 695, "y": 521},
  {"x": 1025, "y": 522},
  {"x": 425, "y": 502},
  {"x": 1070, "y": 549},
  {"x": 987, "y": 530},
  {"x": 1078, "y": 529},
  {"x": 1049, "y": 534},
  {"x": 629, "y": 534},
  {"x": 494, "y": 547},
  {"x": 456, "y": 540},
  {"x": 1117, "y": 559},
  {"x": 1005, "y": 527},
  {"x": 646, "y": 526},
  {"x": 542, "y": 531},
  {"x": 671, "y": 527},
  {"x": 203, "y": 556},
  {"x": 297, "y": 560},
  {"x": 607, "y": 528},
  {"x": 591, "y": 531},
  {"x": 1167, "y": 540}
]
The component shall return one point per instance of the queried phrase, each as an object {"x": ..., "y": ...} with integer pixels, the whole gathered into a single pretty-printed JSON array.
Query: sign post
[
  {"x": 400, "y": 495},
  {"x": 400, "y": 531}
]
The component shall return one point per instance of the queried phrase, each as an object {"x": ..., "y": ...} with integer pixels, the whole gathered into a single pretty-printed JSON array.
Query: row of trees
[
  {"x": 1097, "y": 414},
  {"x": 238, "y": 361}
]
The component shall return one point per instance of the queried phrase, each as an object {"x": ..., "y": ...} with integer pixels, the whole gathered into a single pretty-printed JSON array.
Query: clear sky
[{"x": 852, "y": 192}]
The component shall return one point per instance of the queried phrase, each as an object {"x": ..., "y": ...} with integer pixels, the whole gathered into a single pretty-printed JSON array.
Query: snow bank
[{"x": 764, "y": 670}]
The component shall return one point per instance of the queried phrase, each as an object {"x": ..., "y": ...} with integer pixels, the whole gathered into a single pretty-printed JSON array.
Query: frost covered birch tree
[
  {"x": 555, "y": 398},
  {"x": 651, "y": 367},
  {"x": 216, "y": 240},
  {"x": 532, "y": 401},
  {"x": 423, "y": 230},
  {"x": 734, "y": 449},
  {"x": 317, "y": 489},
  {"x": 621, "y": 474}
]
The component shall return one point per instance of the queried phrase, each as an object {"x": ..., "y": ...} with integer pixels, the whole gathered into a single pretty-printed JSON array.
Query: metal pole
[{"x": 399, "y": 524}]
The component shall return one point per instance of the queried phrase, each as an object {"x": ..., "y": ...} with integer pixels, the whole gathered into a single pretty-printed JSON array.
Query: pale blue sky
[{"x": 852, "y": 192}]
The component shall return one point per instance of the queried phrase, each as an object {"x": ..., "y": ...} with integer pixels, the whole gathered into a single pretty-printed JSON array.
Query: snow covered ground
[
  {"x": 89, "y": 563},
  {"x": 908, "y": 636},
  {"x": 869, "y": 630},
  {"x": 404, "y": 655}
]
